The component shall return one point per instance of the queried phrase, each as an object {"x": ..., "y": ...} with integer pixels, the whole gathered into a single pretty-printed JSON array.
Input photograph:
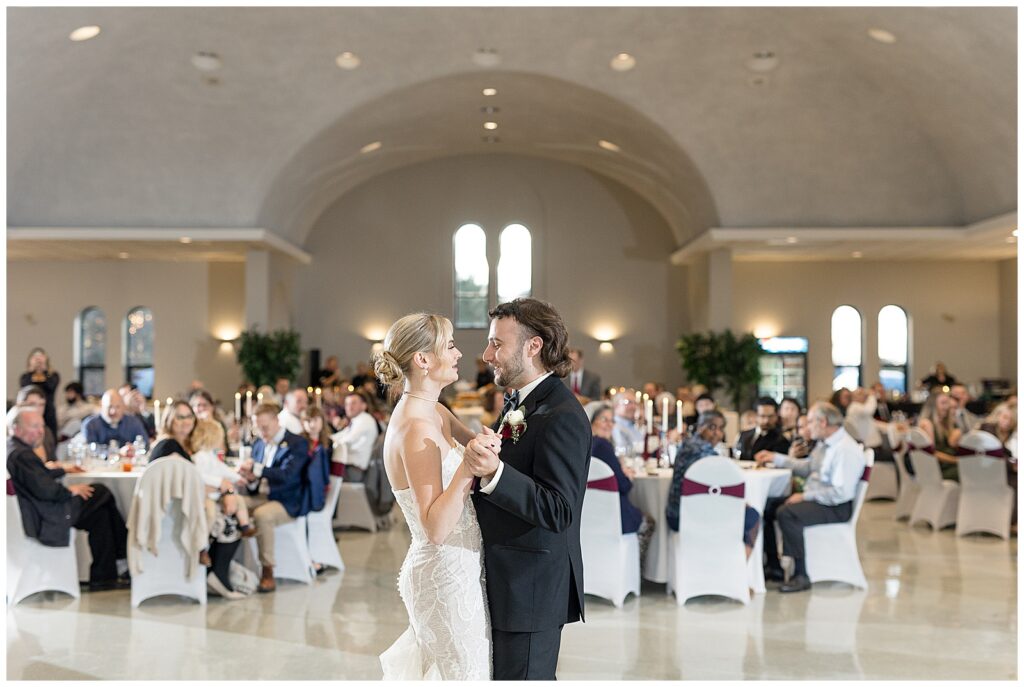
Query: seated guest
[
  {"x": 964, "y": 419},
  {"x": 321, "y": 449},
  {"x": 936, "y": 419},
  {"x": 493, "y": 399},
  {"x": 274, "y": 479},
  {"x": 747, "y": 421},
  {"x": 939, "y": 377},
  {"x": 330, "y": 375},
  {"x": 175, "y": 435},
  {"x": 268, "y": 396},
  {"x": 356, "y": 441},
  {"x": 135, "y": 404},
  {"x": 789, "y": 411},
  {"x": 766, "y": 436},
  {"x": 114, "y": 423},
  {"x": 205, "y": 408},
  {"x": 1002, "y": 424},
  {"x": 32, "y": 396},
  {"x": 73, "y": 411},
  {"x": 484, "y": 374},
  {"x": 221, "y": 498},
  {"x": 601, "y": 448},
  {"x": 49, "y": 509},
  {"x": 882, "y": 411},
  {"x": 290, "y": 417},
  {"x": 281, "y": 386},
  {"x": 833, "y": 472},
  {"x": 705, "y": 403},
  {"x": 709, "y": 433},
  {"x": 626, "y": 435}
]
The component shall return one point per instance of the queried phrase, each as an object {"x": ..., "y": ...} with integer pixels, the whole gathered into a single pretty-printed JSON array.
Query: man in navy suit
[
  {"x": 530, "y": 492},
  {"x": 275, "y": 478}
]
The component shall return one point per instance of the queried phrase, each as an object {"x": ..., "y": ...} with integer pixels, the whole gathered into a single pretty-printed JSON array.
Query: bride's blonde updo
[{"x": 417, "y": 333}]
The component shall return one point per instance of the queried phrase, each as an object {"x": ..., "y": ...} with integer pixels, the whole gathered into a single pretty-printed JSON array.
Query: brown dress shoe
[
  {"x": 267, "y": 583},
  {"x": 248, "y": 531}
]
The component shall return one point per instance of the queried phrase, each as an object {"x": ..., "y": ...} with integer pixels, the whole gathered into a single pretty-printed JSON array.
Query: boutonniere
[
  {"x": 283, "y": 444},
  {"x": 514, "y": 424}
]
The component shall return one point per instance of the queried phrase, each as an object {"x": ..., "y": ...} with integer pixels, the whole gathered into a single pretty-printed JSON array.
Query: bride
[{"x": 441, "y": 581}]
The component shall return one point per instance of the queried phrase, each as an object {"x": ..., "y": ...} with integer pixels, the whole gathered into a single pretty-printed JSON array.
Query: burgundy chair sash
[
  {"x": 337, "y": 469},
  {"x": 691, "y": 488},
  {"x": 604, "y": 484},
  {"x": 926, "y": 449},
  {"x": 866, "y": 476},
  {"x": 995, "y": 452},
  {"x": 10, "y": 487}
]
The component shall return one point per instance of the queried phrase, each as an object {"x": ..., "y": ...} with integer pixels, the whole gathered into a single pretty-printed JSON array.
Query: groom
[{"x": 530, "y": 491}]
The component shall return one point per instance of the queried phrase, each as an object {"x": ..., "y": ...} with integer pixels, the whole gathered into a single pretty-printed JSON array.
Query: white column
[{"x": 720, "y": 289}]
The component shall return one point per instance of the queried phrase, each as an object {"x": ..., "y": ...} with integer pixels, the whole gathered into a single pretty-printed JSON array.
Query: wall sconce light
[{"x": 606, "y": 346}]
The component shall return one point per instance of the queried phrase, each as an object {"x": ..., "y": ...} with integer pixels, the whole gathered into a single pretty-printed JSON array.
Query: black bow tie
[{"x": 511, "y": 401}]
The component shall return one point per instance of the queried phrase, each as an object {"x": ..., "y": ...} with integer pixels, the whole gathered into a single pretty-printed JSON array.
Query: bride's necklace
[{"x": 422, "y": 398}]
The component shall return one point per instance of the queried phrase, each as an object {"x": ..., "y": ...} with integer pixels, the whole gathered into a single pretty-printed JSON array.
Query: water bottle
[{"x": 140, "y": 450}]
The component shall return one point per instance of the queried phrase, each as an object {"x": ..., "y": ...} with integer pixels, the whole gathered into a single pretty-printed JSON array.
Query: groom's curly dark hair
[{"x": 538, "y": 318}]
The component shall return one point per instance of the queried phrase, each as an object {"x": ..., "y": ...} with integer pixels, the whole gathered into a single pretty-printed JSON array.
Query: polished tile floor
[{"x": 937, "y": 607}]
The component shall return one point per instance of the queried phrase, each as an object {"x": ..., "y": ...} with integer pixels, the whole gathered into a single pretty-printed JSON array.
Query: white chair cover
[
  {"x": 611, "y": 559},
  {"x": 292, "y": 560},
  {"x": 831, "y": 549},
  {"x": 986, "y": 499},
  {"x": 909, "y": 488},
  {"x": 165, "y": 573},
  {"x": 936, "y": 502},
  {"x": 354, "y": 509},
  {"x": 707, "y": 555},
  {"x": 32, "y": 567},
  {"x": 323, "y": 548}
]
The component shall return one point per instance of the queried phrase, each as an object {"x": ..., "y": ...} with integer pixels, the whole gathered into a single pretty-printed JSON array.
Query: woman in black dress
[{"x": 41, "y": 375}]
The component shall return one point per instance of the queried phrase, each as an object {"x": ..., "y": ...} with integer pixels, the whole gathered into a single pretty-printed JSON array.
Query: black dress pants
[
  {"x": 220, "y": 558},
  {"x": 794, "y": 517},
  {"x": 525, "y": 655},
  {"x": 108, "y": 537}
]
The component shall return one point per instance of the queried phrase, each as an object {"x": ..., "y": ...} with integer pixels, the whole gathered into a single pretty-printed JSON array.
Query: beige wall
[
  {"x": 600, "y": 256},
  {"x": 954, "y": 310},
  {"x": 189, "y": 301},
  {"x": 1008, "y": 289}
]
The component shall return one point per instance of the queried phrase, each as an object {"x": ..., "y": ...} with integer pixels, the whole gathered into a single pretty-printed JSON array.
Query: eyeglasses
[{"x": 183, "y": 417}]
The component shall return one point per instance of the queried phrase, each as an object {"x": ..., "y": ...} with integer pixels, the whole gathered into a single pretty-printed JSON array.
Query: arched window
[
  {"x": 472, "y": 277},
  {"x": 846, "y": 347},
  {"x": 893, "y": 333},
  {"x": 515, "y": 266},
  {"x": 138, "y": 347},
  {"x": 91, "y": 350}
]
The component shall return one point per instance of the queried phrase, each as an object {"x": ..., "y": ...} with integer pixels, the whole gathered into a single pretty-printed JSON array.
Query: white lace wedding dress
[{"x": 449, "y": 634}]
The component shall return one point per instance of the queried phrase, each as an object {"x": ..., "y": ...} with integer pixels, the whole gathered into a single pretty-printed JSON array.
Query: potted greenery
[
  {"x": 722, "y": 359},
  {"x": 265, "y": 357}
]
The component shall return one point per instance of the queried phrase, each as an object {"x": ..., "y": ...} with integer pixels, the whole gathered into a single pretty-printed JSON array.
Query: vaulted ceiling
[{"x": 123, "y": 131}]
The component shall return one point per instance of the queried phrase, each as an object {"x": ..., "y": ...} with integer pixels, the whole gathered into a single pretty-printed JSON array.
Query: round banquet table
[
  {"x": 121, "y": 484},
  {"x": 650, "y": 495}
]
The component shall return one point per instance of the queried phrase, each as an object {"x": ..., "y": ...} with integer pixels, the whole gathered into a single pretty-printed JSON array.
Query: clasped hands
[{"x": 481, "y": 454}]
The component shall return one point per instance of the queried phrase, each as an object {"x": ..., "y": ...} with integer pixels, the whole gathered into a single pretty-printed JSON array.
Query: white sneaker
[{"x": 213, "y": 583}]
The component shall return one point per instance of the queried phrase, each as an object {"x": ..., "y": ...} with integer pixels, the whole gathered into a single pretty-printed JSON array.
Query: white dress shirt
[
  {"x": 357, "y": 440},
  {"x": 213, "y": 471},
  {"x": 487, "y": 485},
  {"x": 290, "y": 422},
  {"x": 833, "y": 469}
]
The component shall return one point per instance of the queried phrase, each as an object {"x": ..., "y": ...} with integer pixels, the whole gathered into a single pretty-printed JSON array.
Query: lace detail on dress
[{"x": 442, "y": 586}]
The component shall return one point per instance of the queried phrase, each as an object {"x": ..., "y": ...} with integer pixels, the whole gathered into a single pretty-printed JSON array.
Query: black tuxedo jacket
[
  {"x": 531, "y": 522},
  {"x": 772, "y": 441}
]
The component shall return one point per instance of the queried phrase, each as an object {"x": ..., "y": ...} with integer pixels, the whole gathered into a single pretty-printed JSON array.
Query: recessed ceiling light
[
  {"x": 856, "y": 254},
  {"x": 791, "y": 239},
  {"x": 490, "y": 91},
  {"x": 763, "y": 61},
  {"x": 487, "y": 57},
  {"x": 348, "y": 60},
  {"x": 608, "y": 145},
  {"x": 206, "y": 61},
  {"x": 185, "y": 239},
  {"x": 84, "y": 33},
  {"x": 490, "y": 126},
  {"x": 123, "y": 255},
  {"x": 882, "y": 36},
  {"x": 623, "y": 62},
  {"x": 370, "y": 147}
]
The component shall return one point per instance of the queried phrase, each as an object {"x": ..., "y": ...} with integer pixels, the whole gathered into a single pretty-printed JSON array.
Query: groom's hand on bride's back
[{"x": 481, "y": 453}]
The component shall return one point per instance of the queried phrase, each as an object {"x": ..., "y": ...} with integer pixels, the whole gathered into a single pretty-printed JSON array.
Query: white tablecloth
[
  {"x": 121, "y": 485},
  {"x": 650, "y": 494}
]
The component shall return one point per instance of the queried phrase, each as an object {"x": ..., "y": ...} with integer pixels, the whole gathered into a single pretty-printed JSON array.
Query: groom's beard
[{"x": 511, "y": 372}]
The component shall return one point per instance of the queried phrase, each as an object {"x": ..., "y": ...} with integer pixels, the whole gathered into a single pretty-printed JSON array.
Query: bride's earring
[{"x": 425, "y": 372}]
